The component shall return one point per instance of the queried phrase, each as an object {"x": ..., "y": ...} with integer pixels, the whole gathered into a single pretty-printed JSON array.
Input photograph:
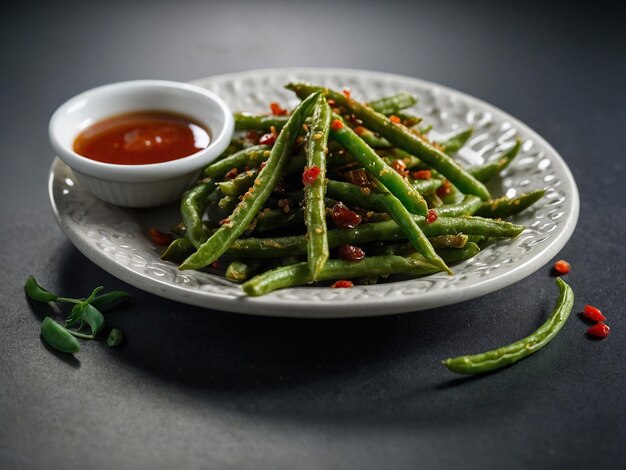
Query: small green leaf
[
  {"x": 92, "y": 296},
  {"x": 92, "y": 316},
  {"x": 57, "y": 337},
  {"x": 38, "y": 293},
  {"x": 115, "y": 338},
  {"x": 76, "y": 314},
  {"x": 110, "y": 300}
]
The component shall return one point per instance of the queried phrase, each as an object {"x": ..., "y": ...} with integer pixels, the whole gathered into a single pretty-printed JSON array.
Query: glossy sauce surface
[{"x": 141, "y": 138}]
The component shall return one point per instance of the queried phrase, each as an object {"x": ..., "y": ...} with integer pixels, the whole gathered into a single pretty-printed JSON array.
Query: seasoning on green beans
[{"x": 512, "y": 353}]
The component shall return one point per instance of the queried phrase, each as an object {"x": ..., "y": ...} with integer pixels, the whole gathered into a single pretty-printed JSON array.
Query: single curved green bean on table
[
  {"x": 254, "y": 199},
  {"x": 491, "y": 360},
  {"x": 401, "y": 137}
]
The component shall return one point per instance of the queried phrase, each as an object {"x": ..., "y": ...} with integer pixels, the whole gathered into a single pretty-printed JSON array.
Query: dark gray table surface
[{"x": 195, "y": 388}]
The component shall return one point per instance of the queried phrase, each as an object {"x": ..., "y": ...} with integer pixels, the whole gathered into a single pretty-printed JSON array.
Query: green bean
[
  {"x": 239, "y": 184},
  {"x": 504, "y": 207},
  {"x": 277, "y": 218},
  {"x": 411, "y": 229},
  {"x": 255, "y": 198},
  {"x": 449, "y": 241},
  {"x": 296, "y": 245},
  {"x": 315, "y": 191},
  {"x": 178, "y": 250},
  {"x": 487, "y": 171},
  {"x": 389, "y": 178},
  {"x": 58, "y": 337},
  {"x": 468, "y": 206},
  {"x": 408, "y": 119},
  {"x": 403, "y": 138},
  {"x": 455, "y": 142},
  {"x": 239, "y": 271},
  {"x": 192, "y": 207},
  {"x": 299, "y": 274},
  {"x": 356, "y": 196},
  {"x": 434, "y": 201},
  {"x": 250, "y": 157},
  {"x": 426, "y": 186},
  {"x": 228, "y": 203},
  {"x": 246, "y": 121},
  {"x": 372, "y": 139},
  {"x": 506, "y": 355},
  {"x": 394, "y": 103}
]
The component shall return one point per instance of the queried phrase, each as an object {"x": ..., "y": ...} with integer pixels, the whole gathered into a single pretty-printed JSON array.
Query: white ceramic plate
[{"x": 115, "y": 239}]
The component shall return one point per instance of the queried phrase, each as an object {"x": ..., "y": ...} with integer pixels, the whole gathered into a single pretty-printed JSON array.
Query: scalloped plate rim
[{"x": 374, "y": 306}]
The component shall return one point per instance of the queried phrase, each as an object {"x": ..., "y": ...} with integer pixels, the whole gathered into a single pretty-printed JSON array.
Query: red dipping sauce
[{"x": 142, "y": 137}]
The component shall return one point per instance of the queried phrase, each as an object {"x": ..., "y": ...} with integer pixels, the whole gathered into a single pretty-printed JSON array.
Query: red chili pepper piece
[
  {"x": 160, "y": 238},
  {"x": 395, "y": 119},
  {"x": 342, "y": 284},
  {"x": 562, "y": 266},
  {"x": 400, "y": 167},
  {"x": 267, "y": 139},
  {"x": 444, "y": 189},
  {"x": 253, "y": 136},
  {"x": 347, "y": 92},
  {"x": 422, "y": 174},
  {"x": 331, "y": 102},
  {"x": 232, "y": 173},
  {"x": 593, "y": 313},
  {"x": 262, "y": 165},
  {"x": 277, "y": 110},
  {"x": 215, "y": 264},
  {"x": 351, "y": 253},
  {"x": 344, "y": 217},
  {"x": 310, "y": 175},
  {"x": 600, "y": 330},
  {"x": 336, "y": 124},
  {"x": 431, "y": 217}
]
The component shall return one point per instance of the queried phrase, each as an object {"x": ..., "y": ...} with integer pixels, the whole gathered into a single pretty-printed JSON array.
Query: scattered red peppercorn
[
  {"x": 310, "y": 175},
  {"x": 347, "y": 92},
  {"x": 277, "y": 110},
  {"x": 231, "y": 174},
  {"x": 336, "y": 124},
  {"x": 351, "y": 253},
  {"x": 593, "y": 313},
  {"x": 422, "y": 174},
  {"x": 267, "y": 139},
  {"x": 400, "y": 167},
  {"x": 562, "y": 267},
  {"x": 431, "y": 217},
  {"x": 444, "y": 189},
  {"x": 160, "y": 238},
  {"x": 599, "y": 330},
  {"x": 342, "y": 284},
  {"x": 395, "y": 119},
  {"x": 344, "y": 217}
]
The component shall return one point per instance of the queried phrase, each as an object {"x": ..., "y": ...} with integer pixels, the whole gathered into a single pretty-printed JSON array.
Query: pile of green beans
[{"x": 340, "y": 190}]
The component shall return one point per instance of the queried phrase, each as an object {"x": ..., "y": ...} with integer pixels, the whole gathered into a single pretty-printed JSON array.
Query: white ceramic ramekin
[{"x": 140, "y": 185}]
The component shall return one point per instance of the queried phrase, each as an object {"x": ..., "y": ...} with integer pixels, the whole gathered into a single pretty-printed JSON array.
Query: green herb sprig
[{"x": 85, "y": 312}]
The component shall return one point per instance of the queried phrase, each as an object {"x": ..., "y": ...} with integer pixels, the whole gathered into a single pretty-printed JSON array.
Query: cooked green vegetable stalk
[{"x": 506, "y": 355}]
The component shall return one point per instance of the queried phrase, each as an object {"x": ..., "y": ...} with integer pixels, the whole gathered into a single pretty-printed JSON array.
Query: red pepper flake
[
  {"x": 395, "y": 119},
  {"x": 343, "y": 284},
  {"x": 215, "y": 264},
  {"x": 253, "y": 136},
  {"x": 344, "y": 217},
  {"x": 160, "y": 238},
  {"x": 347, "y": 92},
  {"x": 232, "y": 173},
  {"x": 400, "y": 167},
  {"x": 431, "y": 217},
  {"x": 262, "y": 165},
  {"x": 444, "y": 189},
  {"x": 310, "y": 175},
  {"x": 267, "y": 139},
  {"x": 331, "y": 102},
  {"x": 422, "y": 174},
  {"x": 277, "y": 110},
  {"x": 336, "y": 124},
  {"x": 351, "y": 253},
  {"x": 360, "y": 130},
  {"x": 562, "y": 267},
  {"x": 599, "y": 330},
  {"x": 593, "y": 313}
]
